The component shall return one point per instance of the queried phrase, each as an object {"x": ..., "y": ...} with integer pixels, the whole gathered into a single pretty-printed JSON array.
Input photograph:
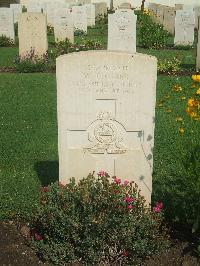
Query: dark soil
[{"x": 15, "y": 252}]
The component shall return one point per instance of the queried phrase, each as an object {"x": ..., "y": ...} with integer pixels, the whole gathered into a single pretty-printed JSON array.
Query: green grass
[
  {"x": 28, "y": 139},
  {"x": 29, "y": 136}
]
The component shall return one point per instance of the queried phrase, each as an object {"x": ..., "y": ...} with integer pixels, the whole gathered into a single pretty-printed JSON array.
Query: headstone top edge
[{"x": 74, "y": 54}]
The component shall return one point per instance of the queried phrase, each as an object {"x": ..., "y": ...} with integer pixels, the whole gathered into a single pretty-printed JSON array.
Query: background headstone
[
  {"x": 90, "y": 10},
  {"x": 63, "y": 25},
  {"x": 32, "y": 32},
  {"x": 106, "y": 112},
  {"x": 197, "y": 15},
  {"x": 184, "y": 27},
  {"x": 198, "y": 49},
  {"x": 34, "y": 8},
  {"x": 160, "y": 14},
  {"x": 17, "y": 10},
  {"x": 100, "y": 9},
  {"x": 7, "y": 23},
  {"x": 79, "y": 15},
  {"x": 122, "y": 30},
  {"x": 169, "y": 19}
]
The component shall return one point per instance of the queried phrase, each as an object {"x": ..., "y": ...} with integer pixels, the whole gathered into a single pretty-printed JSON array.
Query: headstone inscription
[
  {"x": 7, "y": 23},
  {"x": 63, "y": 25},
  {"x": 106, "y": 112},
  {"x": 32, "y": 32},
  {"x": 122, "y": 30},
  {"x": 184, "y": 27}
]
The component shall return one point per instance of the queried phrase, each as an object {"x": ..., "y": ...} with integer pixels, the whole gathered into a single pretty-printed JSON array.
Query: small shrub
[
  {"x": 183, "y": 47},
  {"x": 89, "y": 45},
  {"x": 149, "y": 33},
  {"x": 31, "y": 63},
  {"x": 170, "y": 67},
  {"x": 96, "y": 221},
  {"x": 6, "y": 41}
]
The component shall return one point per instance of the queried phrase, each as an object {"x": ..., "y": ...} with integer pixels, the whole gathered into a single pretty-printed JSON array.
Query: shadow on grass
[{"x": 47, "y": 172}]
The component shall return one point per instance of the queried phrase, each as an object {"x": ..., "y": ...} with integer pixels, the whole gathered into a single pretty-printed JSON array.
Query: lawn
[{"x": 29, "y": 157}]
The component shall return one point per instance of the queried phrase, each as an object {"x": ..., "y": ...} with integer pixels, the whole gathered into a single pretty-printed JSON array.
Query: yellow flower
[
  {"x": 191, "y": 102},
  {"x": 168, "y": 111},
  {"x": 177, "y": 88},
  {"x": 181, "y": 130},
  {"x": 198, "y": 91},
  {"x": 179, "y": 119},
  {"x": 182, "y": 97},
  {"x": 196, "y": 78},
  {"x": 193, "y": 86}
]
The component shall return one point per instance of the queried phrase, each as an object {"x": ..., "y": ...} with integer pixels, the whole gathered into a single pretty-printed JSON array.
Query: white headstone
[
  {"x": 169, "y": 19},
  {"x": 7, "y": 23},
  {"x": 34, "y": 8},
  {"x": 197, "y": 15},
  {"x": 79, "y": 18},
  {"x": 106, "y": 112},
  {"x": 49, "y": 10},
  {"x": 17, "y": 10},
  {"x": 184, "y": 27},
  {"x": 90, "y": 10},
  {"x": 63, "y": 25},
  {"x": 122, "y": 31},
  {"x": 32, "y": 32},
  {"x": 100, "y": 9},
  {"x": 160, "y": 14}
]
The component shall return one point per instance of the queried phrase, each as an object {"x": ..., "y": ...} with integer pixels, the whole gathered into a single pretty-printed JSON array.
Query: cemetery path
[{"x": 15, "y": 252}]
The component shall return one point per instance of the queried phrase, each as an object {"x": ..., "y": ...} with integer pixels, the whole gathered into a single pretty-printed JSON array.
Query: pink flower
[
  {"x": 128, "y": 199},
  {"x": 117, "y": 180},
  {"x": 126, "y": 182},
  {"x": 44, "y": 189},
  {"x": 129, "y": 207},
  {"x": 38, "y": 237},
  {"x": 101, "y": 173},
  {"x": 125, "y": 253},
  {"x": 159, "y": 205},
  {"x": 156, "y": 209}
]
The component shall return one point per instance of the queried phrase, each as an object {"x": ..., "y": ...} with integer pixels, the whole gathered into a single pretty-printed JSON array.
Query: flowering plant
[
  {"x": 96, "y": 221},
  {"x": 193, "y": 103}
]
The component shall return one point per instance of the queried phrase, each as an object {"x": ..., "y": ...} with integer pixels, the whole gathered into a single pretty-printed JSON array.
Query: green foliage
[
  {"x": 183, "y": 47},
  {"x": 16, "y": 28},
  {"x": 170, "y": 67},
  {"x": 31, "y": 63},
  {"x": 96, "y": 222},
  {"x": 150, "y": 34},
  {"x": 6, "y": 41},
  {"x": 176, "y": 153}
]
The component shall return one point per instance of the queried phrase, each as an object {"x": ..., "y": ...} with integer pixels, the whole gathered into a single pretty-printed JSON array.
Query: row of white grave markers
[{"x": 180, "y": 21}]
